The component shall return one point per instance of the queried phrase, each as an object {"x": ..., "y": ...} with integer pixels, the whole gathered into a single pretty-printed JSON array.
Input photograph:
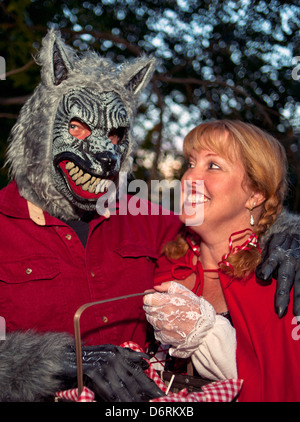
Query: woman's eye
[{"x": 214, "y": 166}]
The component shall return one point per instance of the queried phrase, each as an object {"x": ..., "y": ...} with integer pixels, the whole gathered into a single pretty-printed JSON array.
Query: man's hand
[
  {"x": 117, "y": 373},
  {"x": 281, "y": 260}
]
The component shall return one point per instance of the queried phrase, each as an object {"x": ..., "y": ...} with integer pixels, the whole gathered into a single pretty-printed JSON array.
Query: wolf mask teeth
[
  {"x": 94, "y": 91},
  {"x": 83, "y": 184}
]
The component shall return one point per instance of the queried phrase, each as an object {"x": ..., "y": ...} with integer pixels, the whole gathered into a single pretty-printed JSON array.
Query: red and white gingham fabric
[
  {"x": 72, "y": 395},
  {"x": 220, "y": 391}
]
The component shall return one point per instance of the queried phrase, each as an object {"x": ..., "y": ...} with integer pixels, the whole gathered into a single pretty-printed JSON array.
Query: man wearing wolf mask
[{"x": 71, "y": 141}]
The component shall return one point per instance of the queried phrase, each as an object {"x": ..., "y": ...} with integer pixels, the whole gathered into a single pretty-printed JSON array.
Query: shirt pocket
[
  {"x": 31, "y": 293},
  {"x": 28, "y": 269},
  {"x": 137, "y": 262},
  {"x": 133, "y": 250}
]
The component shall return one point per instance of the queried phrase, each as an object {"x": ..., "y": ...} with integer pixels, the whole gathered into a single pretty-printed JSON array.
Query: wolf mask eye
[
  {"x": 116, "y": 135},
  {"x": 79, "y": 129}
]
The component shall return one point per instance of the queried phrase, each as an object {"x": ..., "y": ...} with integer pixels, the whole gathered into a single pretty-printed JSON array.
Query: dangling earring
[{"x": 251, "y": 215}]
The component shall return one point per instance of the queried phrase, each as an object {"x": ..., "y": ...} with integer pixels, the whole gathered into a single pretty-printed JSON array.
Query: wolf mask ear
[
  {"x": 137, "y": 74},
  {"x": 61, "y": 65},
  {"x": 55, "y": 57}
]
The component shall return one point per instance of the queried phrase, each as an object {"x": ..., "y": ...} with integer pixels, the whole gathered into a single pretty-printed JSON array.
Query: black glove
[
  {"x": 281, "y": 260},
  {"x": 116, "y": 373}
]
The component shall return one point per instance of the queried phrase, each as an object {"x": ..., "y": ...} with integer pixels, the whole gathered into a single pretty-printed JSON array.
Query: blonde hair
[{"x": 265, "y": 164}]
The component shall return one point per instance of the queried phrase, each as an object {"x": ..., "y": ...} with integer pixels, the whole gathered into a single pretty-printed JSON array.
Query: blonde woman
[{"x": 213, "y": 264}]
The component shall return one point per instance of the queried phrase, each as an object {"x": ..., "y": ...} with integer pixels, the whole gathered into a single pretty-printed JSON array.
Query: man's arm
[
  {"x": 30, "y": 365},
  {"x": 35, "y": 366},
  {"x": 281, "y": 260}
]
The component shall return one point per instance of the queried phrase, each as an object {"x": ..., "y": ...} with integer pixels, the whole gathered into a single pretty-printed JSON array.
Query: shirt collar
[
  {"x": 11, "y": 203},
  {"x": 36, "y": 214},
  {"x": 14, "y": 205}
]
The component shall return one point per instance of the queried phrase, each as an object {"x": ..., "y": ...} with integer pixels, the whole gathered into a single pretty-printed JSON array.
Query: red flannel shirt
[{"x": 46, "y": 274}]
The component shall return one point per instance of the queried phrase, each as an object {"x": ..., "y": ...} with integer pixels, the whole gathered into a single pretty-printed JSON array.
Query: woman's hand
[{"x": 173, "y": 311}]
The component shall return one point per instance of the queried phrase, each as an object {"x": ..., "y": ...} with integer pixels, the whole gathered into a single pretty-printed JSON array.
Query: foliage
[{"x": 217, "y": 59}]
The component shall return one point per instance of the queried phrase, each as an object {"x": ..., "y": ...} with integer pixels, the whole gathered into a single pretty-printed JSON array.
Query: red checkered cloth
[
  {"x": 220, "y": 391},
  {"x": 72, "y": 395}
]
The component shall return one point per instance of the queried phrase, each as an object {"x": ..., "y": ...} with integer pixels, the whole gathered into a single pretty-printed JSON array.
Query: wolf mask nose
[{"x": 107, "y": 160}]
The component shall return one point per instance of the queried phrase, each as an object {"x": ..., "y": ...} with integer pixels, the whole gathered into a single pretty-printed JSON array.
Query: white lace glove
[
  {"x": 175, "y": 312},
  {"x": 190, "y": 325}
]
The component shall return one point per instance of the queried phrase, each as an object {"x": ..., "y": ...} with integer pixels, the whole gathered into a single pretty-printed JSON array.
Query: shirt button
[
  {"x": 68, "y": 236},
  {"x": 92, "y": 274},
  {"x": 104, "y": 319},
  {"x": 28, "y": 271}
]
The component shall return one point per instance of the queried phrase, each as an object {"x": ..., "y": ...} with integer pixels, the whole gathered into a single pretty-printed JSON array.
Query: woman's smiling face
[{"x": 223, "y": 194}]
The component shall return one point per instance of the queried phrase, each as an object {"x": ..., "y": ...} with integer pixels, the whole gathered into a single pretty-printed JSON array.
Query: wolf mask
[{"x": 74, "y": 135}]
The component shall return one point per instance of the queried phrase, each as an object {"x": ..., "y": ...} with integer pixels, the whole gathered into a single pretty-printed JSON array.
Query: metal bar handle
[{"x": 78, "y": 344}]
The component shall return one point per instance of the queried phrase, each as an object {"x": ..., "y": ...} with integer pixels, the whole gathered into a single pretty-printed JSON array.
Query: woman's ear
[{"x": 255, "y": 199}]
